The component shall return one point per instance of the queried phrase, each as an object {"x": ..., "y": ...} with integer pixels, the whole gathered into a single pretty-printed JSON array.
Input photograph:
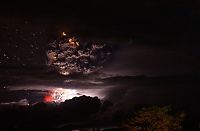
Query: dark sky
[
  {"x": 28, "y": 27},
  {"x": 152, "y": 38}
]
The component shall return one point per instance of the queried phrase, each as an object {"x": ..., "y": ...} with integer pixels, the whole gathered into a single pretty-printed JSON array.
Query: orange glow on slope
[
  {"x": 58, "y": 95},
  {"x": 48, "y": 98}
]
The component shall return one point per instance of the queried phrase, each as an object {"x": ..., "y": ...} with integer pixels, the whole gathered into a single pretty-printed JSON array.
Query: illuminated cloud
[
  {"x": 67, "y": 55},
  {"x": 23, "y": 102}
]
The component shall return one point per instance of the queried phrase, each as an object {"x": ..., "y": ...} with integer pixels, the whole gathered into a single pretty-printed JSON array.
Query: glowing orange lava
[{"x": 48, "y": 98}]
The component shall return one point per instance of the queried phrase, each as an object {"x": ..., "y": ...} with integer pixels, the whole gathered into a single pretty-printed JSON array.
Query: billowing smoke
[{"x": 67, "y": 55}]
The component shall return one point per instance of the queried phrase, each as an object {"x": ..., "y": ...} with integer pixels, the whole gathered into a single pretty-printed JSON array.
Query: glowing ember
[{"x": 64, "y": 34}]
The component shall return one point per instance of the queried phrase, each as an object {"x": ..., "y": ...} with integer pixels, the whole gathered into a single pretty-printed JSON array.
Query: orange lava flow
[{"x": 48, "y": 98}]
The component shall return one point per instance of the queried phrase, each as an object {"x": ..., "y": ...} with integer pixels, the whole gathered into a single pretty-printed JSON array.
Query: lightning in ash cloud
[{"x": 60, "y": 95}]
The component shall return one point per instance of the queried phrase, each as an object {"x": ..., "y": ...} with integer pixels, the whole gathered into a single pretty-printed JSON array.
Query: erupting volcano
[{"x": 60, "y": 95}]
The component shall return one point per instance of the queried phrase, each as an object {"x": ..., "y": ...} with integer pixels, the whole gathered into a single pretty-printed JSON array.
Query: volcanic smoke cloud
[{"x": 68, "y": 55}]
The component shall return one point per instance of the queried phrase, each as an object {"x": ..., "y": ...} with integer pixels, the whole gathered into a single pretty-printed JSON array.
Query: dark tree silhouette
[{"x": 155, "y": 119}]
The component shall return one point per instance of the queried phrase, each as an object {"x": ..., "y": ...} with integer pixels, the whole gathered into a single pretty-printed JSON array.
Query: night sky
[{"x": 154, "y": 56}]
